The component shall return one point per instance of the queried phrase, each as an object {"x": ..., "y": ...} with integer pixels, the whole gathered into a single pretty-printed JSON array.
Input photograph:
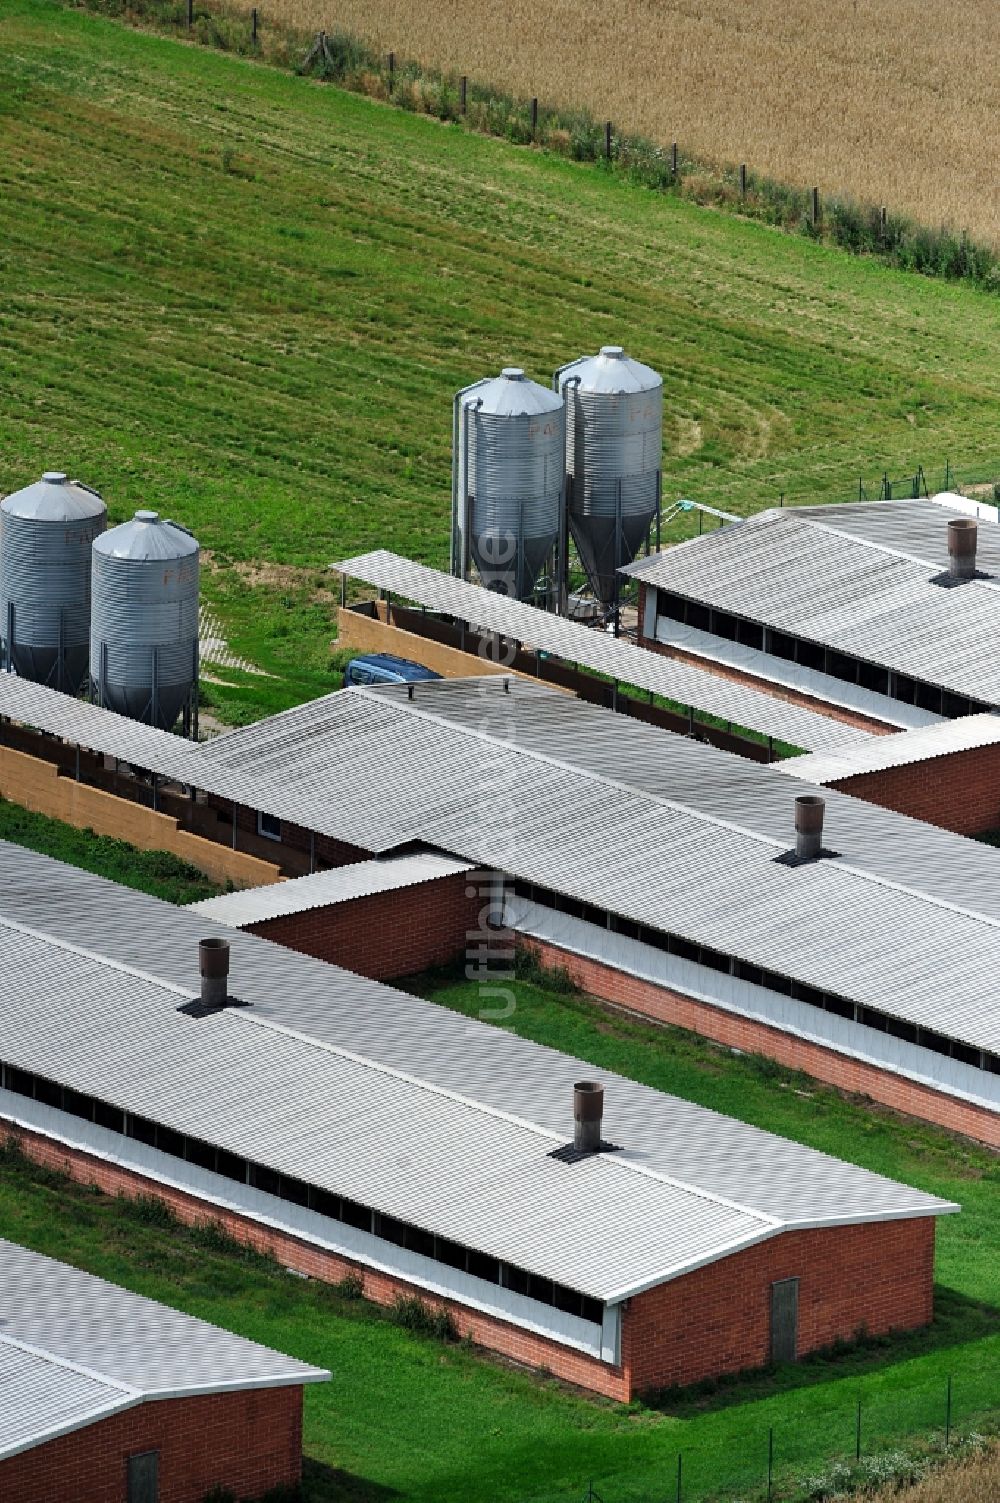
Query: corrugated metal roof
[
  {"x": 629, "y": 823},
  {"x": 41, "y": 1399},
  {"x": 342, "y": 884},
  {"x": 579, "y": 644},
  {"x": 74, "y": 1348},
  {"x": 96, "y": 729},
  {"x": 410, "y": 1150},
  {"x": 770, "y": 1176},
  {"x": 856, "y": 578},
  {"x": 880, "y": 753}
]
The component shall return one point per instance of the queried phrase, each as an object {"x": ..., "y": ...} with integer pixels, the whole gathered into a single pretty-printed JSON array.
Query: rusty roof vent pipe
[
  {"x": 588, "y": 1114},
  {"x": 213, "y": 962},
  {"x": 962, "y": 534},
  {"x": 809, "y": 809}
]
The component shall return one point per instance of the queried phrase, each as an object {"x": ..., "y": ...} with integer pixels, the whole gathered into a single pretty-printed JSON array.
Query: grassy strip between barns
[
  {"x": 246, "y": 300},
  {"x": 411, "y": 1414},
  {"x": 346, "y": 59},
  {"x": 156, "y": 872}
]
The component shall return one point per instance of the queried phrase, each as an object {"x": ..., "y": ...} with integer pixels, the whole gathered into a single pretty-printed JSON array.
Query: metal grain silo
[
  {"x": 46, "y": 532},
  {"x": 507, "y": 480},
  {"x": 614, "y": 446},
  {"x": 144, "y": 620}
]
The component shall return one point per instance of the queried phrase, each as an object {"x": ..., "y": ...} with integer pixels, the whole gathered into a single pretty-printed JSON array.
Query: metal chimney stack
[
  {"x": 809, "y": 809},
  {"x": 213, "y": 962},
  {"x": 962, "y": 534},
  {"x": 588, "y": 1113}
]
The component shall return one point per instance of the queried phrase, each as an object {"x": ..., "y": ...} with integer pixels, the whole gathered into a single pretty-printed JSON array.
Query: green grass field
[
  {"x": 246, "y": 299},
  {"x": 156, "y": 872},
  {"x": 408, "y": 1417}
]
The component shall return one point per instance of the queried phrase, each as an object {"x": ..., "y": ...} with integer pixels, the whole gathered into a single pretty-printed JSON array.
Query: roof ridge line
[
  {"x": 875, "y": 547},
  {"x": 410, "y": 707},
  {"x": 484, "y": 1109},
  {"x": 128, "y": 1389},
  {"x": 71, "y": 948},
  {"x": 756, "y": 836},
  {"x": 261, "y": 1021}
]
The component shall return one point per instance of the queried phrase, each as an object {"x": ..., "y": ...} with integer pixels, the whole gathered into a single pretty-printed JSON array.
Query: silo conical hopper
[
  {"x": 614, "y": 443},
  {"x": 507, "y": 480},
  {"x": 46, "y": 533},
  {"x": 144, "y": 619}
]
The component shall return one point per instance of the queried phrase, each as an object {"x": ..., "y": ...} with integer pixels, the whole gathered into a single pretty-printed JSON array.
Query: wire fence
[
  {"x": 889, "y": 1440},
  {"x": 343, "y": 58}
]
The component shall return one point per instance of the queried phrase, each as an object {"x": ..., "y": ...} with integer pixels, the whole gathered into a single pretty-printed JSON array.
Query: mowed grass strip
[
  {"x": 246, "y": 299},
  {"x": 892, "y": 102},
  {"x": 412, "y": 1418}
]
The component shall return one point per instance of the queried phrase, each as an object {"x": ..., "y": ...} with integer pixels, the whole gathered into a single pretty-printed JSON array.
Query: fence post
[
  {"x": 770, "y": 1463},
  {"x": 743, "y": 179},
  {"x": 607, "y": 139},
  {"x": 857, "y": 1434},
  {"x": 882, "y": 223},
  {"x": 815, "y": 206},
  {"x": 947, "y": 1416},
  {"x": 680, "y": 1460},
  {"x": 673, "y": 161},
  {"x": 391, "y": 61},
  {"x": 190, "y": 14},
  {"x": 947, "y": 473},
  {"x": 534, "y": 116},
  {"x": 463, "y": 93},
  {"x": 253, "y": 26}
]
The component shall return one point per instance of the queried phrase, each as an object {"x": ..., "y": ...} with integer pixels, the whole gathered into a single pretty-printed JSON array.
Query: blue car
[{"x": 383, "y": 668}]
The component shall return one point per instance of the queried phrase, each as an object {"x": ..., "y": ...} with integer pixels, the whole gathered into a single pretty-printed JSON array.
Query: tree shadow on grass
[
  {"x": 957, "y": 1321},
  {"x": 330, "y": 1484}
]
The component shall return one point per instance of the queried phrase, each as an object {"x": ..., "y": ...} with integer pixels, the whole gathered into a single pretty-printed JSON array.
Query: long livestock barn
[
  {"x": 482, "y": 621},
  {"x": 890, "y": 608},
  {"x": 354, "y": 1129},
  {"x": 656, "y": 870},
  {"x": 659, "y": 871},
  {"x": 105, "y": 1395}
]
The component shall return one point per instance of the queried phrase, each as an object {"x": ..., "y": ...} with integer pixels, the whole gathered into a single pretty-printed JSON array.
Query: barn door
[
  {"x": 144, "y": 1478},
  {"x": 784, "y": 1320}
]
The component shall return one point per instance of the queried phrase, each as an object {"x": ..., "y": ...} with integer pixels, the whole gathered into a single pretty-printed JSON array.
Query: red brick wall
[
  {"x": 389, "y": 934},
  {"x": 765, "y": 686},
  {"x": 879, "y": 1275},
  {"x": 718, "y": 1319},
  {"x": 738, "y": 1032},
  {"x": 248, "y": 1442},
  {"x": 305, "y": 1257},
  {"x": 960, "y": 792}
]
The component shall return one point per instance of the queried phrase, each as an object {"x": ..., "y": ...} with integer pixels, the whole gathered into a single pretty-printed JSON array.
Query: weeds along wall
[{"x": 285, "y": 38}]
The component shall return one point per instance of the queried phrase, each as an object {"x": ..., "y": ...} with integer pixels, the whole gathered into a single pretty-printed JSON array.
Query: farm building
[
  {"x": 457, "y": 619},
  {"x": 656, "y": 870},
  {"x": 622, "y": 1238},
  {"x": 886, "y": 610},
  {"x": 650, "y": 867},
  {"x": 947, "y": 774},
  {"x": 342, "y": 914},
  {"x": 112, "y": 1398}
]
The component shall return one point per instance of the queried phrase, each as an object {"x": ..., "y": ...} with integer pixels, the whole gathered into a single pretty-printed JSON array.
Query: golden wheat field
[
  {"x": 974, "y": 1481},
  {"x": 893, "y": 101}
]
